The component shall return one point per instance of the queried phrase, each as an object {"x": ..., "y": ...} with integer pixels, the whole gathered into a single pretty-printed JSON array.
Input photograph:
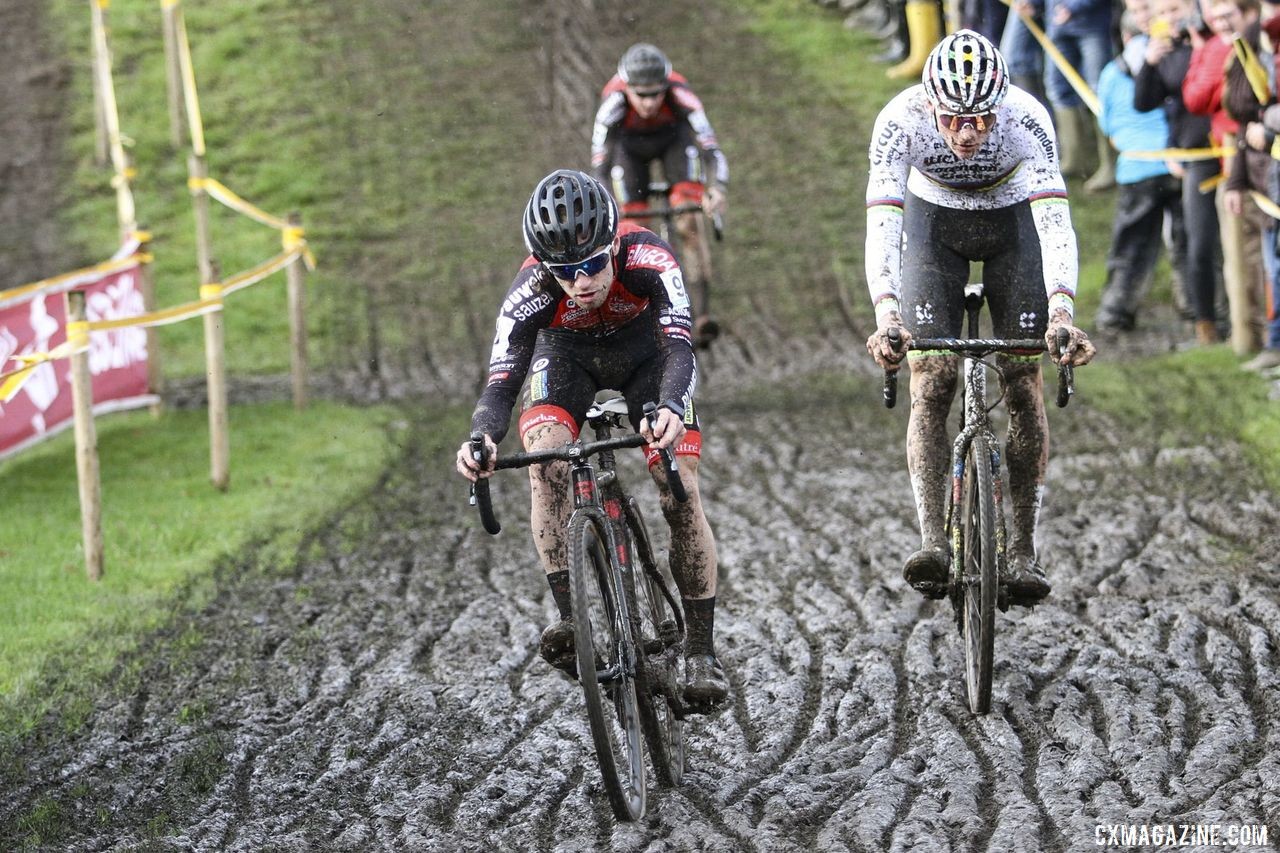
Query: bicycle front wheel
[
  {"x": 661, "y": 638},
  {"x": 606, "y": 653},
  {"x": 979, "y": 582}
]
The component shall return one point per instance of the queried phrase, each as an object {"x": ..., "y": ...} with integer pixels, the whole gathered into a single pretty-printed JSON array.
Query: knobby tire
[
  {"x": 601, "y": 640},
  {"x": 663, "y": 730},
  {"x": 979, "y": 582}
]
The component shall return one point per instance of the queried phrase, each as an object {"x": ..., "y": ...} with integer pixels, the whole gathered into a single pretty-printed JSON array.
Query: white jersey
[{"x": 1017, "y": 162}]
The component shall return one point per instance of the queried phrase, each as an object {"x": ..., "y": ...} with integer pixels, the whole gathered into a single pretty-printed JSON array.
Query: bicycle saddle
[{"x": 613, "y": 409}]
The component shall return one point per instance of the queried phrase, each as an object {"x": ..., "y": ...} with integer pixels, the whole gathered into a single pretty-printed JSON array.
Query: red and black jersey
[
  {"x": 648, "y": 287},
  {"x": 616, "y": 120}
]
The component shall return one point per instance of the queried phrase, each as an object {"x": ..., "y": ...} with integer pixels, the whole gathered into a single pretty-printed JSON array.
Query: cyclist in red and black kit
[
  {"x": 647, "y": 113},
  {"x": 597, "y": 305}
]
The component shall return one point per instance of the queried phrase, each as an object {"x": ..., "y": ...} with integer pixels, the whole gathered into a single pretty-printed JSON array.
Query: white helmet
[{"x": 965, "y": 74}]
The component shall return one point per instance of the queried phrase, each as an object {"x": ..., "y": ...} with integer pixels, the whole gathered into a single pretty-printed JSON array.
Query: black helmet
[
  {"x": 644, "y": 65},
  {"x": 570, "y": 217}
]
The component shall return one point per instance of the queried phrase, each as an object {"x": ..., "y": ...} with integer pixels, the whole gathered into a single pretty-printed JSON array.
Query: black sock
[
  {"x": 559, "y": 582},
  {"x": 700, "y": 618}
]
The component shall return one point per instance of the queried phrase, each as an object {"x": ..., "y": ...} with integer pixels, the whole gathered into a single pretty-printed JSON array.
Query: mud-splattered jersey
[
  {"x": 648, "y": 286},
  {"x": 1017, "y": 163},
  {"x": 615, "y": 118}
]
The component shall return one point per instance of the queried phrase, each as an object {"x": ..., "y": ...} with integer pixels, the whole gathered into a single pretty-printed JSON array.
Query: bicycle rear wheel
[
  {"x": 605, "y": 651},
  {"x": 660, "y": 635},
  {"x": 979, "y": 583}
]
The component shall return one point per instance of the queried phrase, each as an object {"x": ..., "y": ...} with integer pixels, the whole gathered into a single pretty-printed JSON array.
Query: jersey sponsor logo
[
  {"x": 541, "y": 364},
  {"x": 498, "y": 375},
  {"x": 1042, "y": 136},
  {"x": 538, "y": 386},
  {"x": 524, "y": 312},
  {"x": 648, "y": 256}
]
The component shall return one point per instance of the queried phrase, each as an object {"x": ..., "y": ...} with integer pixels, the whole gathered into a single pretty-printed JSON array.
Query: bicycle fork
[
  {"x": 974, "y": 423},
  {"x": 608, "y": 511}
]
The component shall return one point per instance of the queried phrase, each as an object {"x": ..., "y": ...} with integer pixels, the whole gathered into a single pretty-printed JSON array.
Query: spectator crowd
[{"x": 1169, "y": 104}]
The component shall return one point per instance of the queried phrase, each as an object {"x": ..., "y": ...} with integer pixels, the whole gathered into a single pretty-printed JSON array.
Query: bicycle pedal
[{"x": 932, "y": 591}]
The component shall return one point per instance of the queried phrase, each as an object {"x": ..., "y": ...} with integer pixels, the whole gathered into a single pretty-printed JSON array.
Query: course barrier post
[
  {"x": 295, "y": 275},
  {"x": 172, "y": 70},
  {"x": 86, "y": 438},
  {"x": 147, "y": 286},
  {"x": 216, "y": 371}
]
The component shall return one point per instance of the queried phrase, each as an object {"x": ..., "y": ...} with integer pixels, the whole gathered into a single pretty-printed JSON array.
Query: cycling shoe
[
  {"x": 926, "y": 571},
  {"x": 557, "y": 647},
  {"x": 1026, "y": 581},
  {"x": 705, "y": 684}
]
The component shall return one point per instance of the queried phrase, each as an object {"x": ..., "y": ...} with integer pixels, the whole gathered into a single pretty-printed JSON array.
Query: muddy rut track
[{"x": 388, "y": 695}]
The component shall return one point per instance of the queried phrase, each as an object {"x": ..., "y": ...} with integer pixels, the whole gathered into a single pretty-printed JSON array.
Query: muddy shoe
[
  {"x": 705, "y": 685},
  {"x": 1026, "y": 581},
  {"x": 556, "y": 647},
  {"x": 926, "y": 571}
]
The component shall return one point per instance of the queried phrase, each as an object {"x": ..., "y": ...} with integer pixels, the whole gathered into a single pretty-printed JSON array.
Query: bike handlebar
[
  {"x": 982, "y": 347},
  {"x": 482, "y": 500}
]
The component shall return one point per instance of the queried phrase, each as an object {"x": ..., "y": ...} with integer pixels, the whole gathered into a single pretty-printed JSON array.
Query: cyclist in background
[
  {"x": 648, "y": 112},
  {"x": 964, "y": 167},
  {"x": 598, "y": 304}
]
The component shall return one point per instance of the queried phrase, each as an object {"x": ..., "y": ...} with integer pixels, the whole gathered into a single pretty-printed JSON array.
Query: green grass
[{"x": 163, "y": 523}]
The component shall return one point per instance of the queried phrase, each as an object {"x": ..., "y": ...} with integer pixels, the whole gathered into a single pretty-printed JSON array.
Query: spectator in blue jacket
[{"x": 1147, "y": 194}]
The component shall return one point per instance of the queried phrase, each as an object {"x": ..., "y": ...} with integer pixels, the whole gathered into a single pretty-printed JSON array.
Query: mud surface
[
  {"x": 383, "y": 692},
  {"x": 388, "y": 695}
]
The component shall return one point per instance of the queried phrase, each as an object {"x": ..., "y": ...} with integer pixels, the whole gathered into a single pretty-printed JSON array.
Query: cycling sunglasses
[
  {"x": 588, "y": 267},
  {"x": 955, "y": 121},
  {"x": 649, "y": 93}
]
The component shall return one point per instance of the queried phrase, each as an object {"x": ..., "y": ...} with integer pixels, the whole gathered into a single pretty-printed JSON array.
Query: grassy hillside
[{"x": 409, "y": 136}]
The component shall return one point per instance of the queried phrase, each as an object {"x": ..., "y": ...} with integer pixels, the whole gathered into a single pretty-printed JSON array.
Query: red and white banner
[{"x": 117, "y": 358}]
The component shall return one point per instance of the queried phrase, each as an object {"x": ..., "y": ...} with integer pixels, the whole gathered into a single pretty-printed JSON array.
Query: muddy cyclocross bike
[
  {"x": 661, "y": 219},
  {"x": 974, "y": 512},
  {"x": 628, "y": 627}
]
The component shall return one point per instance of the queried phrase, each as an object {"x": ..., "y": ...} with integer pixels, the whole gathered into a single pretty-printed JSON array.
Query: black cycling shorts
[
  {"x": 674, "y": 145},
  {"x": 568, "y": 368},
  {"x": 938, "y": 244}
]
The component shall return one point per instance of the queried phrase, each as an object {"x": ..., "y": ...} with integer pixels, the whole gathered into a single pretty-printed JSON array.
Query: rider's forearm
[
  {"x": 883, "y": 254},
  {"x": 1058, "y": 252}
]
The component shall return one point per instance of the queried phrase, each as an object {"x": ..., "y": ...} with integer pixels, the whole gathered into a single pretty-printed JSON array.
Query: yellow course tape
[
  {"x": 52, "y": 283},
  {"x": 195, "y": 122},
  {"x": 1253, "y": 70},
  {"x": 220, "y": 192},
  {"x": 1184, "y": 154},
  {"x": 1073, "y": 77},
  {"x": 210, "y": 300}
]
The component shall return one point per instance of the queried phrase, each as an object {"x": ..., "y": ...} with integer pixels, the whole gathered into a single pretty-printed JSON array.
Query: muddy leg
[
  {"x": 1026, "y": 450},
  {"x": 693, "y": 554},
  {"x": 549, "y": 488},
  {"x": 933, "y": 387}
]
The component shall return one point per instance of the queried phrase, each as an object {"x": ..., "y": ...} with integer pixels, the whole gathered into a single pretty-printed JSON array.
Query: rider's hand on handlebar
[
  {"x": 714, "y": 199},
  {"x": 469, "y": 467},
  {"x": 1079, "y": 350},
  {"x": 881, "y": 349},
  {"x": 667, "y": 428}
]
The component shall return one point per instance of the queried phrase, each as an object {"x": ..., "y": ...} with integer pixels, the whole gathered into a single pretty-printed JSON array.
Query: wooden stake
[
  {"x": 198, "y": 170},
  {"x": 147, "y": 286},
  {"x": 295, "y": 275},
  {"x": 86, "y": 447},
  {"x": 173, "y": 74},
  {"x": 216, "y": 371}
]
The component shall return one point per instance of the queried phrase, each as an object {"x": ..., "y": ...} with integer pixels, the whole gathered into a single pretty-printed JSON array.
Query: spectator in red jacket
[{"x": 1202, "y": 90}]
